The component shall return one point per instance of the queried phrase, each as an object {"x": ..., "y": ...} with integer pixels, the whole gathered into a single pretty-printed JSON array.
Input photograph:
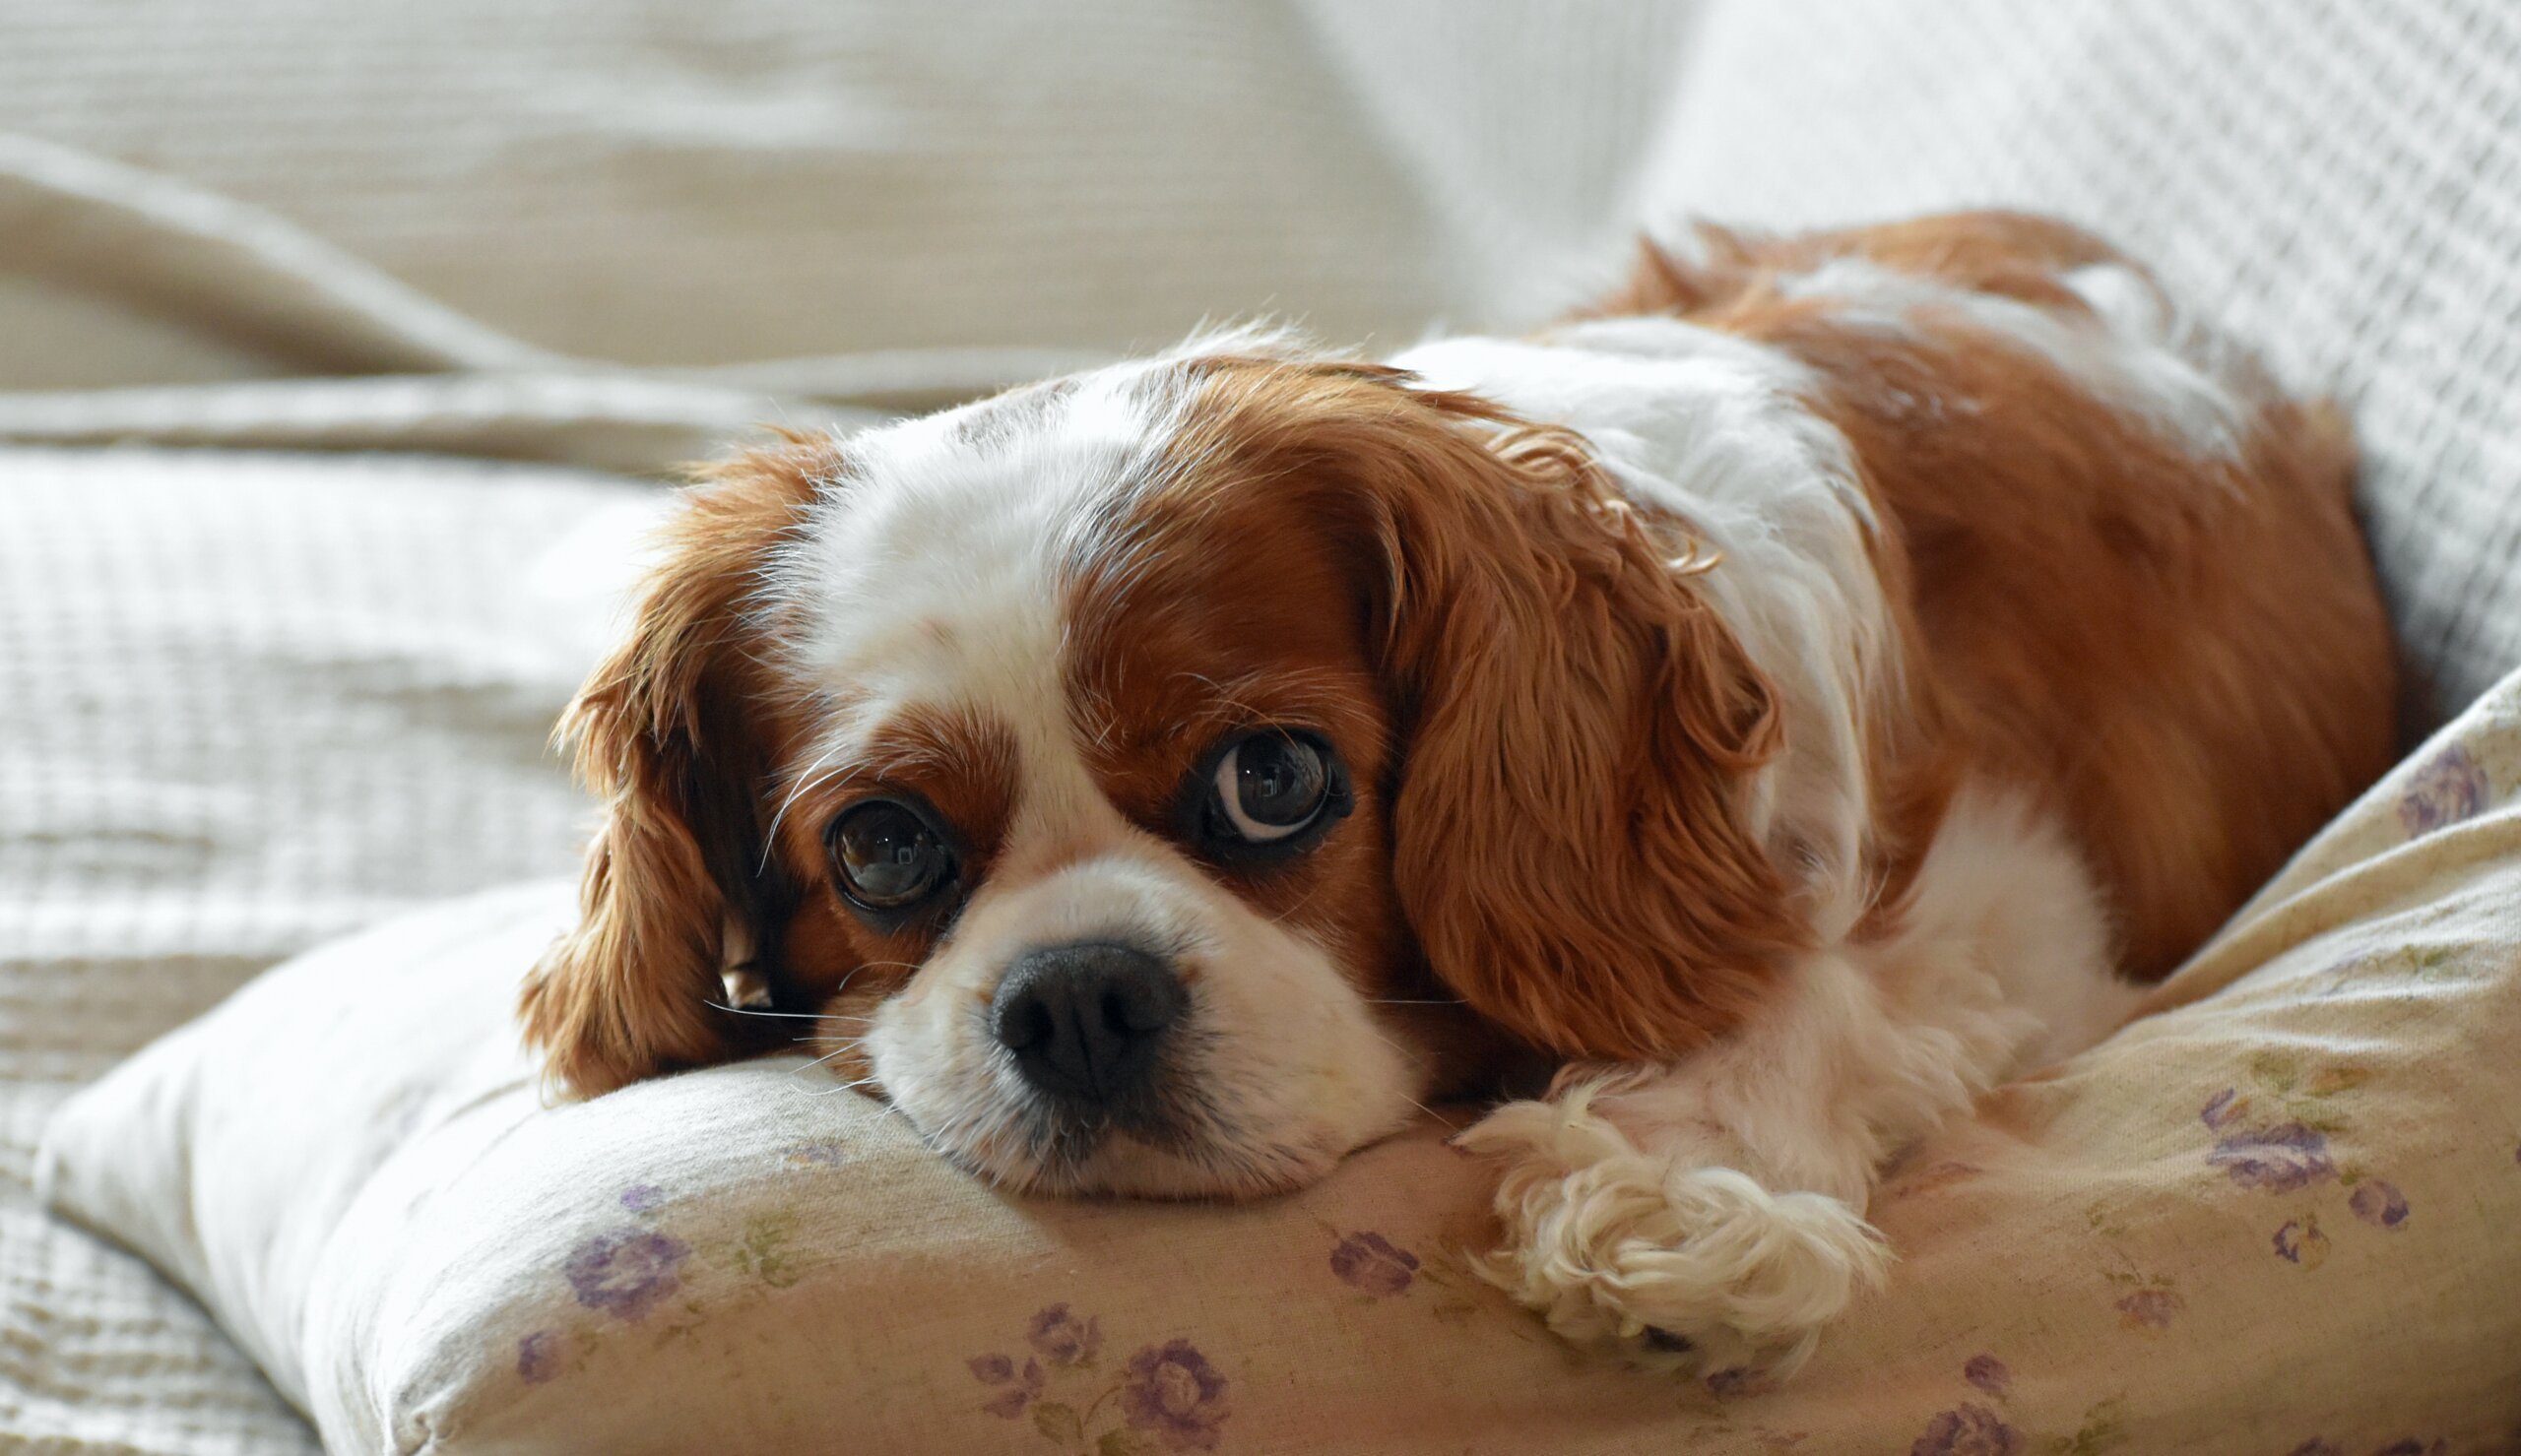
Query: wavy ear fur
[
  {"x": 670, "y": 732},
  {"x": 1570, "y": 837}
]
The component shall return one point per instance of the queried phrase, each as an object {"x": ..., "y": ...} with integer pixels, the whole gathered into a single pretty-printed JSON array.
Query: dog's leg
[{"x": 1711, "y": 1213}]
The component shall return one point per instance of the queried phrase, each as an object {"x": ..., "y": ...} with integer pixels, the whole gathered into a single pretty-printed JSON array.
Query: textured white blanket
[{"x": 246, "y": 702}]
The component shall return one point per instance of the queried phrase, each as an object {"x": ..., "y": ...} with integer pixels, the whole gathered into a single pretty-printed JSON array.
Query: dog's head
[{"x": 1159, "y": 780}]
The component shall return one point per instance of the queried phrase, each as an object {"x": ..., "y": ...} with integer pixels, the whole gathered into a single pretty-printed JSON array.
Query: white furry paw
[{"x": 1687, "y": 1267}]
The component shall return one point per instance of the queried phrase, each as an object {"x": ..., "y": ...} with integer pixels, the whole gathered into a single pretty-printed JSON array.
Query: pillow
[{"x": 2280, "y": 1209}]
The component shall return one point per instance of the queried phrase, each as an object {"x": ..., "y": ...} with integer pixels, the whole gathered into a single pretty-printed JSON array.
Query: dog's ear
[
  {"x": 672, "y": 732},
  {"x": 1700, "y": 265},
  {"x": 1572, "y": 836},
  {"x": 1575, "y": 836}
]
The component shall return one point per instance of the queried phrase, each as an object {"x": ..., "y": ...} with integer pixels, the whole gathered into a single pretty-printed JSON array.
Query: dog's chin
[
  {"x": 1223, "y": 1136},
  {"x": 1123, "y": 1167},
  {"x": 1113, "y": 1161}
]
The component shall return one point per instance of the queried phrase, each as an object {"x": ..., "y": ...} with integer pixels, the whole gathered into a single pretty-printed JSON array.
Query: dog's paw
[{"x": 1682, "y": 1267}]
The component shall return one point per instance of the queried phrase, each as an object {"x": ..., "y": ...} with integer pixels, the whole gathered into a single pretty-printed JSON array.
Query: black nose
[{"x": 1088, "y": 1020}]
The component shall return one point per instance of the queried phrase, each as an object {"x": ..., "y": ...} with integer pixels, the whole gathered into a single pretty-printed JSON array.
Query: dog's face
[{"x": 1161, "y": 781}]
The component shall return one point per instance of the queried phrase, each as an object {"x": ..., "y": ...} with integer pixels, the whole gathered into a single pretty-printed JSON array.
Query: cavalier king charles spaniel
[{"x": 1830, "y": 678}]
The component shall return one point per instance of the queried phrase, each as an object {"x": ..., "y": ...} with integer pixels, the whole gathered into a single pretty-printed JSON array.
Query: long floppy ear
[
  {"x": 1573, "y": 838},
  {"x": 671, "y": 730}
]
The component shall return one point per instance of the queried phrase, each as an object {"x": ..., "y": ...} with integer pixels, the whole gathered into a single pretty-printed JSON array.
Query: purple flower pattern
[
  {"x": 1062, "y": 1338},
  {"x": 1174, "y": 1392},
  {"x": 641, "y": 1197},
  {"x": 2378, "y": 1204},
  {"x": 2301, "y": 1241},
  {"x": 1373, "y": 1264},
  {"x": 627, "y": 1275},
  {"x": 538, "y": 1356},
  {"x": 825, "y": 1152},
  {"x": 1020, "y": 1387},
  {"x": 2149, "y": 1309},
  {"x": 2223, "y": 1107},
  {"x": 1967, "y": 1429},
  {"x": 1990, "y": 1375},
  {"x": 2281, "y": 1159},
  {"x": 2447, "y": 789},
  {"x": 1170, "y": 1392},
  {"x": 2317, "y": 1447}
]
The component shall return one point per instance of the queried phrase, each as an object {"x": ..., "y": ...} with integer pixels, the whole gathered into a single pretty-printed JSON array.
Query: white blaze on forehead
[{"x": 930, "y": 577}]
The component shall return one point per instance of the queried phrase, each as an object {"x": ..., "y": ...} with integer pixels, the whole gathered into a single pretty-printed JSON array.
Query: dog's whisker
[
  {"x": 826, "y": 1057},
  {"x": 804, "y": 784},
  {"x": 1449, "y": 1124},
  {"x": 750, "y": 1011}
]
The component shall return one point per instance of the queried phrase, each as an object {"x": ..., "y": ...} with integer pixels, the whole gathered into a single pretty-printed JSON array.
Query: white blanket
[{"x": 247, "y": 703}]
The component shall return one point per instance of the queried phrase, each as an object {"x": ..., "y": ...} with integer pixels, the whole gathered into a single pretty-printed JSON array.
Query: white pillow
[{"x": 2276, "y": 1215}]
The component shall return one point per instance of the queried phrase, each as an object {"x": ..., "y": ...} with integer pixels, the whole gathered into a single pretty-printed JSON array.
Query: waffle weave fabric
[{"x": 247, "y": 703}]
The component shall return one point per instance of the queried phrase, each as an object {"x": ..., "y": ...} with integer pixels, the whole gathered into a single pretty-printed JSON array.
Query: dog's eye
[
  {"x": 1270, "y": 785},
  {"x": 1266, "y": 791},
  {"x": 888, "y": 855}
]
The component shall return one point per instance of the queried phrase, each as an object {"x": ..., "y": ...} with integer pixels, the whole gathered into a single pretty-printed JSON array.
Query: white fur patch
[
  {"x": 930, "y": 577},
  {"x": 1702, "y": 1265},
  {"x": 2126, "y": 359}
]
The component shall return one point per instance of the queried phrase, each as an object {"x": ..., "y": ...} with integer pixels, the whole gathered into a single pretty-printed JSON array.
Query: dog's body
[{"x": 1788, "y": 702}]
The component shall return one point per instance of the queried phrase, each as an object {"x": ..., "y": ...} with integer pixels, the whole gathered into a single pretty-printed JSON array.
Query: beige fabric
[
  {"x": 700, "y": 184},
  {"x": 616, "y": 237},
  {"x": 2339, "y": 181},
  {"x": 247, "y": 703},
  {"x": 2276, "y": 1217}
]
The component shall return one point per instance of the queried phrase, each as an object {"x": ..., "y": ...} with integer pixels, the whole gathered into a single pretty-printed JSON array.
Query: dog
[{"x": 1832, "y": 675}]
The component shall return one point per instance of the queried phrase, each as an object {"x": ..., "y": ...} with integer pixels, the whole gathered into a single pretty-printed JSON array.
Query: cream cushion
[{"x": 2275, "y": 1214}]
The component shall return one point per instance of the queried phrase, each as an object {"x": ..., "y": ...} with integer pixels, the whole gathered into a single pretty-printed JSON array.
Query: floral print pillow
[{"x": 2273, "y": 1216}]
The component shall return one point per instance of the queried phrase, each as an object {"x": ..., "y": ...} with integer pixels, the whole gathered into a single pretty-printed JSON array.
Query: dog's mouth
[
  {"x": 1174, "y": 1143},
  {"x": 1117, "y": 1165}
]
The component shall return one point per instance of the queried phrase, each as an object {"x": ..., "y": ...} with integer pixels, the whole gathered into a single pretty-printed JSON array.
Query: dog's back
[{"x": 2159, "y": 615}]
